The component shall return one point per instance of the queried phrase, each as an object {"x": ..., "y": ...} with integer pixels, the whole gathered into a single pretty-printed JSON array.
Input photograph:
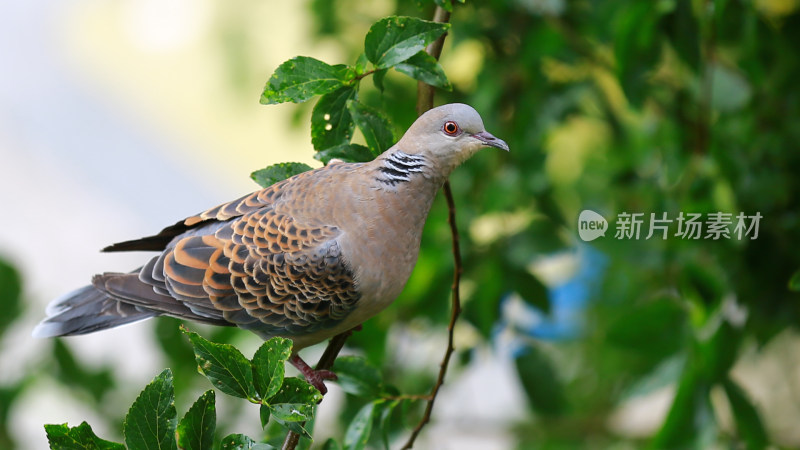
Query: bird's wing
[
  {"x": 261, "y": 262},
  {"x": 221, "y": 213}
]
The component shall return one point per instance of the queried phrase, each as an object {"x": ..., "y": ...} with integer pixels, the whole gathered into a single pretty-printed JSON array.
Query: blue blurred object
[{"x": 568, "y": 302}]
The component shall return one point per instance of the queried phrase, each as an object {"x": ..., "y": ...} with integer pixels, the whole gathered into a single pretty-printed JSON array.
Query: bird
[{"x": 306, "y": 258}]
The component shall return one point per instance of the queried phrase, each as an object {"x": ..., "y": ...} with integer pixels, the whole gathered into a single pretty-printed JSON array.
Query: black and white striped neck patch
[{"x": 398, "y": 167}]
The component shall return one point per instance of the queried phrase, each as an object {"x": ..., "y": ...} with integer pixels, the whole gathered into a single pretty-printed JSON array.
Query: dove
[{"x": 307, "y": 258}]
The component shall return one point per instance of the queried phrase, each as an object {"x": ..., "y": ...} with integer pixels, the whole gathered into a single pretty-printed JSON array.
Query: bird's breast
[{"x": 383, "y": 248}]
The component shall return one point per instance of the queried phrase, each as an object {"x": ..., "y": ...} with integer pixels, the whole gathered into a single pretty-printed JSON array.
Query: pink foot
[{"x": 315, "y": 377}]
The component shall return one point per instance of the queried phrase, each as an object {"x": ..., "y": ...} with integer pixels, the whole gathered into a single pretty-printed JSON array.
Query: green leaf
[
  {"x": 278, "y": 172},
  {"x": 541, "y": 382},
  {"x": 527, "y": 286},
  {"x": 386, "y": 409},
  {"x": 269, "y": 366},
  {"x": 377, "y": 78},
  {"x": 357, "y": 376},
  {"x": 295, "y": 390},
  {"x": 331, "y": 444},
  {"x": 295, "y": 427},
  {"x": 196, "y": 429},
  {"x": 445, "y": 4},
  {"x": 263, "y": 414},
  {"x": 223, "y": 365},
  {"x": 292, "y": 412},
  {"x": 302, "y": 78},
  {"x": 748, "y": 422},
  {"x": 655, "y": 328},
  {"x": 794, "y": 282},
  {"x": 345, "y": 152},
  {"x": 294, "y": 404},
  {"x": 331, "y": 124},
  {"x": 395, "y": 39},
  {"x": 151, "y": 420},
  {"x": 10, "y": 290},
  {"x": 682, "y": 30},
  {"x": 361, "y": 64},
  {"x": 425, "y": 68},
  {"x": 689, "y": 417},
  {"x": 78, "y": 438},
  {"x": 242, "y": 442},
  {"x": 637, "y": 48},
  {"x": 357, "y": 434},
  {"x": 373, "y": 125}
]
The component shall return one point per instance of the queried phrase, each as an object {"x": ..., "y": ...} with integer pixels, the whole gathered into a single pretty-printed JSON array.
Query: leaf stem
[{"x": 363, "y": 75}]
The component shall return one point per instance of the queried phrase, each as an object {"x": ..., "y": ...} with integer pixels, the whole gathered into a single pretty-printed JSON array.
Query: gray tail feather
[{"x": 87, "y": 310}]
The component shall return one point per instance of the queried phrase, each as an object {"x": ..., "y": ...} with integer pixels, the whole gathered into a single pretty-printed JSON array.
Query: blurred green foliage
[
  {"x": 625, "y": 106},
  {"x": 615, "y": 106}
]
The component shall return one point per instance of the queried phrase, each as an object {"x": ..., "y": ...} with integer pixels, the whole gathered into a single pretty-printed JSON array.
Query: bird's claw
[{"x": 315, "y": 378}]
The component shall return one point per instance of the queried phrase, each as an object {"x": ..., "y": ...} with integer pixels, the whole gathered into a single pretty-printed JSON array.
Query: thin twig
[{"x": 425, "y": 102}]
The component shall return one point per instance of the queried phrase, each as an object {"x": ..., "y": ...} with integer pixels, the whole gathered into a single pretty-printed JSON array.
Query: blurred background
[{"x": 120, "y": 117}]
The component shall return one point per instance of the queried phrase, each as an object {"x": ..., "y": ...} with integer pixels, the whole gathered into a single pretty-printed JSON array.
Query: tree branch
[{"x": 425, "y": 102}]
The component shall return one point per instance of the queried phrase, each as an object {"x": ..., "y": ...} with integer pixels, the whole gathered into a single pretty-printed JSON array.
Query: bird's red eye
[{"x": 450, "y": 128}]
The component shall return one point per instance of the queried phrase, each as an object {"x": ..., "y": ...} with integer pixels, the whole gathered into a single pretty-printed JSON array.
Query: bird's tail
[{"x": 87, "y": 310}]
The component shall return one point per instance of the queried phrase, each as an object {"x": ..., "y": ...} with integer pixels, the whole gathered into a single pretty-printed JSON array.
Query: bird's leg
[{"x": 315, "y": 377}]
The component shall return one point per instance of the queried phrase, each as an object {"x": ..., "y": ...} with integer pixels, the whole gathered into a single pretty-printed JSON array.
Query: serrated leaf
[
  {"x": 150, "y": 422},
  {"x": 242, "y": 442},
  {"x": 302, "y": 78},
  {"x": 295, "y": 390},
  {"x": 357, "y": 434},
  {"x": 78, "y": 438},
  {"x": 357, "y": 376},
  {"x": 377, "y": 78},
  {"x": 292, "y": 412},
  {"x": 294, "y": 404},
  {"x": 278, "y": 172},
  {"x": 425, "y": 68},
  {"x": 331, "y": 124},
  {"x": 394, "y": 39},
  {"x": 345, "y": 152},
  {"x": 223, "y": 365},
  {"x": 373, "y": 125},
  {"x": 196, "y": 429},
  {"x": 269, "y": 364}
]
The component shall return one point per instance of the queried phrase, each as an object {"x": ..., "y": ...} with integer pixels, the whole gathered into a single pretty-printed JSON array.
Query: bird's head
[{"x": 449, "y": 135}]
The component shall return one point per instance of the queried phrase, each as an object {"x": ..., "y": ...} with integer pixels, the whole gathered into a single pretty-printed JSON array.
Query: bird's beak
[{"x": 487, "y": 139}]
